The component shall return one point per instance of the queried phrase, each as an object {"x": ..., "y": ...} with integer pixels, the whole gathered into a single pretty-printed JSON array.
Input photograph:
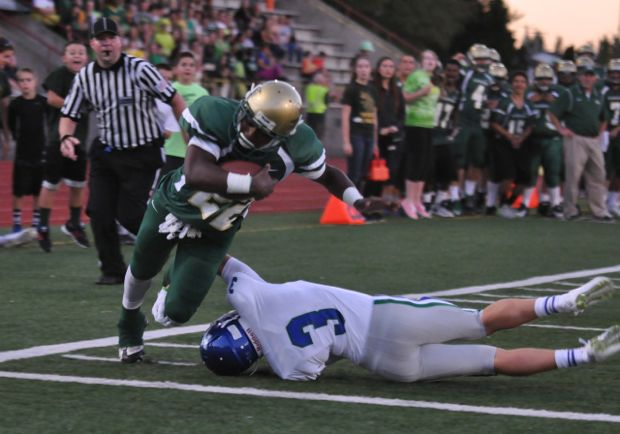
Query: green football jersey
[
  {"x": 473, "y": 96},
  {"x": 211, "y": 125},
  {"x": 543, "y": 127},
  {"x": 514, "y": 119},
  {"x": 445, "y": 116},
  {"x": 611, "y": 102}
]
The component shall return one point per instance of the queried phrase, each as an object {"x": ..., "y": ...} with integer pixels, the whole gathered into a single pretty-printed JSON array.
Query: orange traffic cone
[{"x": 339, "y": 213}]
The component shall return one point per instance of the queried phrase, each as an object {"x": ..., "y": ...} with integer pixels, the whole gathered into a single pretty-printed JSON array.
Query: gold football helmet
[
  {"x": 498, "y": 71},
  {"x": 566, "y": 67},
  {"x": 613, "y": 71},
  {"x": 543, "y": 70},
  {"x": 585, "y": 50},
  {"x": 478, "y": 52},
  {"x": 495, "y": 56},
  {"x": 274, "y": 108},
  {"x": 584, "y": 63}
]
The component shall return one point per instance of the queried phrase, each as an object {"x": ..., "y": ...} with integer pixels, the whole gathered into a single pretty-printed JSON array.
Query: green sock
[{"x": 131, "y": 327}]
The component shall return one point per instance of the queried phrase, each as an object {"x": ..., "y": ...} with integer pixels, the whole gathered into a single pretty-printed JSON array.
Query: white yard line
[
  {"x": 171, "y": 345},
  {"x": 115, "y": 360},
  {"x": 325, "y": 397},
  {"x": 47, "y": 350},
  {"x": 559, "y": 327},
  {"x": 568, "y": 283},
  {"x": 539, "y": 280}
]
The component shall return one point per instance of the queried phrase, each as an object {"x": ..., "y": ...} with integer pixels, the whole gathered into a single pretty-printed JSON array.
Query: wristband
[
  {"x": 236, "y": 183},
  {"x": 351, "y": 195}
]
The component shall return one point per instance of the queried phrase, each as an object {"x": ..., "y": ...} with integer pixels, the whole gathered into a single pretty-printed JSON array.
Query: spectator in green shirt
[{"x": 421, "y": 97}]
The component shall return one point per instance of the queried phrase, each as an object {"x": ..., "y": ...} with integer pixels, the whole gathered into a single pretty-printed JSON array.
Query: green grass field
[{"x": 50, "y": 299}]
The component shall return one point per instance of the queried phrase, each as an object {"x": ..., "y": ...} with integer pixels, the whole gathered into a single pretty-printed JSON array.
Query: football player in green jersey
[
  {"x": 199, "y": 207},
  {"x": 473, "y": 100},
  {"x": 612, "y": 154},
  {"x": 546, "y": 141},
  {"x": 513, "y": 120},
  {"x": 499, "y": 90},
  {"x": 567, "y": 73}
]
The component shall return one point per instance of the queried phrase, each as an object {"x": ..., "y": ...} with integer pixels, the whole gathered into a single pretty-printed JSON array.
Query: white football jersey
[{"x": 300, "y": 324}]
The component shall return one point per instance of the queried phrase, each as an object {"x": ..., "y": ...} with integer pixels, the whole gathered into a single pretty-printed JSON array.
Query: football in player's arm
[
  {"x": 302, "y": 326},
  {"x": 198, "y": 208}
]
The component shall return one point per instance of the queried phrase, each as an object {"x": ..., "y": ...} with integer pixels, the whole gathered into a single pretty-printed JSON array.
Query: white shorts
[{"x": 406, "y": 340}]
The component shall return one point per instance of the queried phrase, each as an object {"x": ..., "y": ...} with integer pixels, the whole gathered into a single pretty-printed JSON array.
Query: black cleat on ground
[
  {"x": 76, "y": 233},
  {"x": 490, "y": 210},
  {"x": 544, "y": 209},
  {"x": 131, "y": 354},
  {"x": 43, "y": 236},
  {"x": 108, "y": 279}
]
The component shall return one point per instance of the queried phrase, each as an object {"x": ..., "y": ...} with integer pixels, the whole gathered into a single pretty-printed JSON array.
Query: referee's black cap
[
  {"x": 5, "y": 44},
  {"x": 103, "y": 25}
]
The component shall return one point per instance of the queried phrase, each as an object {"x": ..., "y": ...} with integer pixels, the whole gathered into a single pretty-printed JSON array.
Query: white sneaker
[
  {"x": 442, "y": 211},
  {"x": 507, "y": 212},
  {"x": 595, "y": 291},
  {"x": 19, "y": 238},
  {"x": 605, "y": 345},
  {"x": 614, "y": 211}
]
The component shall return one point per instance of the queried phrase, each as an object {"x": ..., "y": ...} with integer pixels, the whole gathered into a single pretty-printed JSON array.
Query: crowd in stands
[{"x": 234, "y": 47}]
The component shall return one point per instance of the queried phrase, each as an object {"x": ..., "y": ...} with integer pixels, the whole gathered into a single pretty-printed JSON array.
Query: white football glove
[{"x": 176, "y": 228}]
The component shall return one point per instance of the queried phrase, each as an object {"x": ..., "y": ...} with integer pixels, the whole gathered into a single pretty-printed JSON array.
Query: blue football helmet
[{"x": 226, "y": 348}]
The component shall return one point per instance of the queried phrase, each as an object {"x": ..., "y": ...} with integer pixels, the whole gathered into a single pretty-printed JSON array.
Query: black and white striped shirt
[{"x": 123, "y": 96}]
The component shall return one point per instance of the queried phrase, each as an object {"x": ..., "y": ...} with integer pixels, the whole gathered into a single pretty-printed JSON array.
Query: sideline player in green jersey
[
  {"x": 612, "y": 154},
  {"x": 546, "y": 141},
  {"x": 473, "y": 99},
  {"x": 199, "y": 207},
  {"x": 567, "y": 73}
]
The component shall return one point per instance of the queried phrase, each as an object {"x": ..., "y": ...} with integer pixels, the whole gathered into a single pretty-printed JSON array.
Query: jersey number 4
[{"x": 297, "y": 328}]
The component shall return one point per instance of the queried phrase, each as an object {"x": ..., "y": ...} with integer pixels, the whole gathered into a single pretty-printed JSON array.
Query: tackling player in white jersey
[{"x": 301, "y": 326}]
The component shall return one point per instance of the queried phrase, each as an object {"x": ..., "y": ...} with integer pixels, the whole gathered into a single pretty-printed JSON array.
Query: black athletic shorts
[
  {"x": 58, "y": 167},
  {"x": 27, "y": 179}
]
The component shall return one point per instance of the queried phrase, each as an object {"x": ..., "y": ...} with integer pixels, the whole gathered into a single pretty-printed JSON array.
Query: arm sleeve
[
  {"x": 154, "y": 83},
  {"x": 234, "y": 266}
]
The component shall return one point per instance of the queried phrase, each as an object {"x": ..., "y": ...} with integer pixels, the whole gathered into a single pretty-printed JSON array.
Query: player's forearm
[
  {"x": 202, "y": 173},
  {"x": 54, "y": 100},
  {"x": 339, "y": 184},
  {"x": 66, "y": 127}
]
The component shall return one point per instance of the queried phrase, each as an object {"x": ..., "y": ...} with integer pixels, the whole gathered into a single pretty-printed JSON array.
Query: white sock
[
  {"x": 612, "y": 199},
  {"x": 441, "y": 196},
  {"x": 428, "y": 197},
  {"x": 470, "y": 187},
  {"x": 544, "y": 197},
  {"x": 454, "y": 193},
  {"x": 556, "y": 196},
  {"x": 527, "y": 195},
  {"x": 134, "y": 291},
  {"x": 492, "y": 190},
  {"x": 571, "y": 357}
]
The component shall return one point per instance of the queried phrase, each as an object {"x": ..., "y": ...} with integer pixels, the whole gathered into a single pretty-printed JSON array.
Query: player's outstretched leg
[
  {"x": 528, "y": 361},
  {"x": 510, "y": 313},
  {"x": 578, "y": 299}
]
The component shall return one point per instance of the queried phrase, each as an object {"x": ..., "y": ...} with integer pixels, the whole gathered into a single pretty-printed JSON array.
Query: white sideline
[
  {"x": 249, "y": 391},
  {"x": 525, "y": 282},
  {"x": 48, "y": 350}
]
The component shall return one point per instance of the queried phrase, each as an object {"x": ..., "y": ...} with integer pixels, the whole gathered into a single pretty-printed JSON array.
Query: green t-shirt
[
  {"x": 175, "y": 145},
  {"x": 581, "y": 113},
  {"x": 210, "y": 124},
  {"x": 421, "y": 112},
  {"x": 316, "y": 98}
]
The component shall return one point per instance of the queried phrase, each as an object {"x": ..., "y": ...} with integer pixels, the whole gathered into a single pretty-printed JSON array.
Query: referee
[{"x": 128, "y": 151}]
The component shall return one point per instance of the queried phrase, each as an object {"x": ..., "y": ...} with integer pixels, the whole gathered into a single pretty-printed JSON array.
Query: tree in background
[{"x": 445, "y": 26}]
